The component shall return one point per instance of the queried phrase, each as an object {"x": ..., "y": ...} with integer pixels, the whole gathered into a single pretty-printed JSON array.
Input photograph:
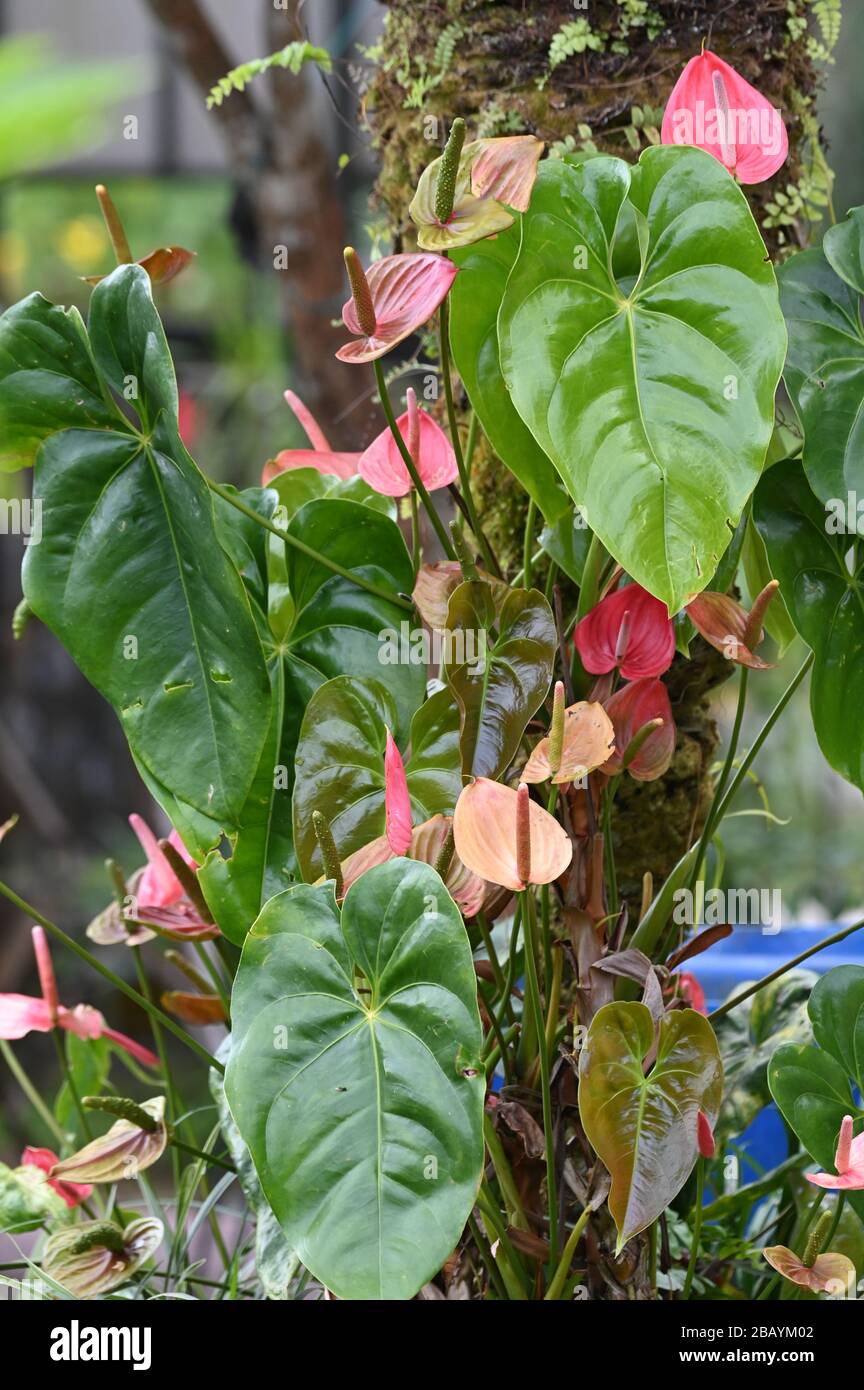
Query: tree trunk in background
[
  {"x": 488, "y": 60},
  {"x": 288, "y": 195}
]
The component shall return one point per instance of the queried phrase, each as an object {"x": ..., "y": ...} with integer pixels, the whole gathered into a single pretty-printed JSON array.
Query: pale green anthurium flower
[{"x": 494, "y": 175}]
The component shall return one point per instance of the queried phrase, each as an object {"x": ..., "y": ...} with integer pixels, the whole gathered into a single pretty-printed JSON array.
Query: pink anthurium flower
[
  {"x": 848, "y": 1160},
  {"x": 320, "y": 456},
  {"x": 427, "y": 842},
  {"x": 726, "y": 625},
  {"x": 159, "y": 885},
  {"x": 398, "y": 296},
  {"x": 830, "y": 1272},
  {"x": 381, "y": 465},
  {"x": 712, "y": 106},
  {"x": 21, "y": 1014},
  {"x": 397, "y": 799},
  {"x": 485, "y": 833},
  {"x": 630, "y": 708},
  {"x": 73, "y": 1193},
  {"x": 630, "y": 629}
]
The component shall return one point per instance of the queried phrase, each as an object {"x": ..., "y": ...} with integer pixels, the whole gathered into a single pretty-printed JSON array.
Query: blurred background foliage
[{"x": 70, "y": 76}]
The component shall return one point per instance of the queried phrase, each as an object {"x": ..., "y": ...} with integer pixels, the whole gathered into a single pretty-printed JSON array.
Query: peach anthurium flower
[
  {"x": 73, "y": 1193},
  {"x": 848, "y": 1160},
  {"x": 397, "y": 799},
  {"x": 589, "y": 738},
  {"x": 320, "y": 456},
  {"x": 396, "y": 298},
  {"x": 630, "y": 708},
  {"x": 21, "y": 1014},
  {"x": 630, "y": 629},
  {"x": 491, "y": 173},
  {"x": 828, "y": 1272},
  {"x": 712, "y": 106},
  {"x": 381, "y": 465},
  {"x": 485, "y": 832},
  {"x": 121, "y": 1154},
  {"x": 726, "y": 625},
  {"x": 93, "y": 1257}
]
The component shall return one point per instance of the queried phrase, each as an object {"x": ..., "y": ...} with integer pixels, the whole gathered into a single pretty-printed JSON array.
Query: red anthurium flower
[
  {"x": 397, "y": 799},
  {"x": 21, "y": 1014},
  {"x": 73, "y": 1193},
  {"x": 848, "y": 1160},
  {"x": 401, "y": 293},
  {"x": 632, "y": 707},
  {"x": 713, "y": 107},
  {"x": 630, "y": 629},
  {"x": 159, "y": 885},
  {"x": 507, "y": 839},
  {"x": 726, "y": 625},
  {"x": 705, "y": 1136},
  {"x": 692, "y": 991},
  {"x": 320, "y": 456},
  {"x": 381, "y": 465}
]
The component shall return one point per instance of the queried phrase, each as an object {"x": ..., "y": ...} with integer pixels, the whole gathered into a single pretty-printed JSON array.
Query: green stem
[
  {"x": 415, "y": 532},
  {"x": 782, "y": 969},
  {"x": 159, "y": 1042},
  {"x": 485, "y": 1253},
  {"x": 58, "y": 1040},
  {"x": 464, "y": 480},
  {"x": 589, "y": 588},
  {"x": 530, "y": 518},
  {"x": 199, "y": 1153},
  {"x": 304, "y": 549},
  {"x": 30, "y": 1091},
  {"x": 697, "y": 1228},
  {"x": 81, "y": 951},
  {"x": 533, "y": 995},
  {"x": 504, "y": 1174},
  {"x": 559, "y": 1279},
  {"x": 710, "y": 819},
  {"x": 440, "y": 529},
  {"x": 215, "y": 978}
]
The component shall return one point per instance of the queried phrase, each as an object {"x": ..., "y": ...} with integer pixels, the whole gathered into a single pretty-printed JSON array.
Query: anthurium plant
[{"x": 460, "y": 1055}]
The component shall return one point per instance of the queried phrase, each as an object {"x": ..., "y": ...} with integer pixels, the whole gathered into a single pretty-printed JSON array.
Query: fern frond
[{"x": 294, "y": 57}]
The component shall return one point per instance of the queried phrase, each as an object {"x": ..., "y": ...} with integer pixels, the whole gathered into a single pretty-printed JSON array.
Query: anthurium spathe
[
  {"x": 428, "y": 839},
  {"x": 848, "y": 1160},
  {"x": 485, "y": 824},
  {"x": 391, "y": 301},
  {"x": 713, "y": 107},
  {"x": 95, "y": 1256},
  {"x": 320, "y": 456},
  {"x": 829, "y": 1273},
  {"x": 382, "y": 467},
  {"x": 73, "y": 1193},
  {"x": 397, "y": 799},
  {"x": 493, "y": 175},
  {"x": 21, "y": 1014},
  {"x": 632, "y": 707},
  {"x": 159, "y": 885},
  {"x": 628, "y": 629},
  {"x": 129, "y": 1146},
  {"x": 726, "y": 625},
  {"x": 588, "y": 738}
]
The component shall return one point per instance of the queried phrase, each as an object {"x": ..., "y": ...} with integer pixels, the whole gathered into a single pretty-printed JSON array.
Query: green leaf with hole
[
  {"x": 474, "y": 303},
  {"x": 130, "y": 573},
  {"x": 644, "y": 1127},
  {"x": 354, "y": 1077},
  {"x": 340, "y": 764},
  {"x": 825, "y": 599},
  {"x": 641, "y": 341},
  {"x": 499, "y": 667}
]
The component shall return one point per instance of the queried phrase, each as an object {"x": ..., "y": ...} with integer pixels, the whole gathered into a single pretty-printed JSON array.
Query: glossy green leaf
[
  {"x": 567, "y": 542},
  {"x": 297, "y": 486},
  {"x": 474, "y": 303},
  {"x": 362, "y": 1110},
  {"x": 641, "y": 341},
  {"x": 837, "y": 1012},
  {"x": 644, "y": 1127},
  {"x": 748, "y": 1036},
  {"x": 757, "y": 572},
  {"x": 130, "y": 574},
  {"x": 500, "y": 669},
  {"x": 340, "y": 764},
  {"x": 813, "y": 1093},
  {"x": 825, "y": 600},
  {"x": 824, "y": 372}
]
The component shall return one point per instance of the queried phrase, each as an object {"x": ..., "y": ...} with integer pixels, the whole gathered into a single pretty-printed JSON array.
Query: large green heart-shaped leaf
[
  {"x": 825, "y": 599},
  {"x": 475, "y": 300},
  {"x": 340, "y": 764},
  {"x": 824, "y": 372},
  {"x": 644, "y": 1127},
  {"x": 319, "y": 625},
  {"x": 354, "y": 1077},
  {"x": 641, "y": 342},
  {"x": 748, "y": 1036},
  {"x": 130, "y": 573},
  {"x": 837, "y": 1013},
  {"x": 499, "y": 667}
]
